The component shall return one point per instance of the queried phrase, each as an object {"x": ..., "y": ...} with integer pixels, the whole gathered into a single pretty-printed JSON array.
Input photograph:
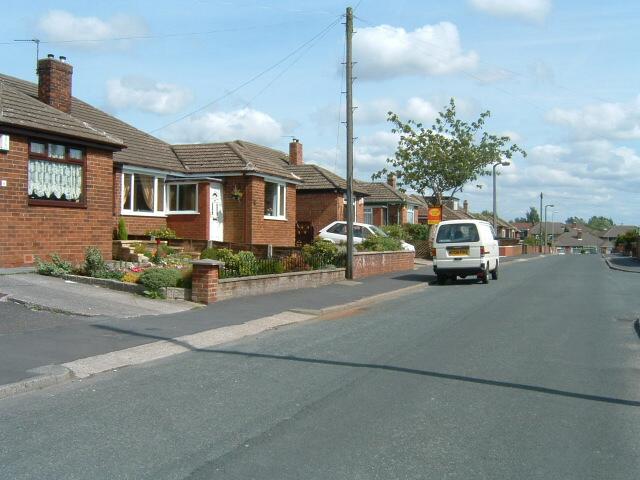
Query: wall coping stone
[
  {"x": 278, "y": 275},
  {"x": 207, "y": 263},
  {"x": 378, "y": 253},
  {"x": 107, "y": 283}
]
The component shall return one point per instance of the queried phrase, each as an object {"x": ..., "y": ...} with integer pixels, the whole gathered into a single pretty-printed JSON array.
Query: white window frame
[
  {"x": 411, "y": 210},
  {"x": 281, "y": 188},
  {"x": 167, "y": 196},
  {"x": 368, "y": 210},
  {"x": 131, "y": 212}
]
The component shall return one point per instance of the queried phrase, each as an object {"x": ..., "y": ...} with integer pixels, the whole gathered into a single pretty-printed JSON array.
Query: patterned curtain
[{"x": 55, "y": 180}]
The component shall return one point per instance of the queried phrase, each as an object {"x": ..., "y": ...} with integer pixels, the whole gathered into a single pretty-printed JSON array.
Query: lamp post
[
  {"x": 495, "y": 215},
  {"x": 545, "y": 223},
  {"x": 553, "y": 230}
]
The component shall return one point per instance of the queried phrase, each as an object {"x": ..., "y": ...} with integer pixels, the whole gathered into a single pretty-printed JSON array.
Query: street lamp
[
  {"x": 495, "y": 216},
  {"x": 553, "y": 230},
  {"x": 545, "y": 222}
]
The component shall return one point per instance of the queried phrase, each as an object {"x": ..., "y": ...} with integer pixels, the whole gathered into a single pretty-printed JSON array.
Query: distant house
[
  {"x": 321, "y": 197},
  {"x": 609, "y": 237},
  {"x": 386, "y": 204},
  {"x": 449, "y": 205},
  {"x": 504, "y": 229},
  {"x": 553, "y": 230},
  {"x": 578, "y": 240}
]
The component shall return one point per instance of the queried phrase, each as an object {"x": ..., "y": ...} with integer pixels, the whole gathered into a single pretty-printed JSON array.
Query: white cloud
[
  {"x": 601, "y": 120},
  {"x": 146, "y": 95},
  {"x": 243, "y": 124},
  {"x": 58, "y": 25},
  {"x": 414, "y": 108},
  {"x": 385, "y": 51},
  {"x": 528, "y": 10}
]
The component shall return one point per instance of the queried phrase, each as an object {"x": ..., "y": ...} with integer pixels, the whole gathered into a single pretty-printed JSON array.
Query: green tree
[
  {"x": 578, "y": 220},
  {"x": 442, "y": 159},
  {"x": 600, "y": 223},
  {"x": 532, "y": 217}
]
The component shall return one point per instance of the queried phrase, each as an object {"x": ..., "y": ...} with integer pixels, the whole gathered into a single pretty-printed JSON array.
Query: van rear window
[{"x": 457, "y": 232}]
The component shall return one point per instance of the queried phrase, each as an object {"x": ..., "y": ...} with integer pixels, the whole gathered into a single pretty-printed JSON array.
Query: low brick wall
[
  {"x": 261, "y": 284},
  {"x": 107, "y": 283},
  {"x": 510, "y": 251},
  {"x": 366, "y": 264}
]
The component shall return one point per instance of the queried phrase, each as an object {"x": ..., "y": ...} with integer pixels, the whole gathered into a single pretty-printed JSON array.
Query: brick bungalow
[
  {"x": 71, "y": 171},
  {"x": 386, "y": 204},
  {"x": 321, "y": 198}
]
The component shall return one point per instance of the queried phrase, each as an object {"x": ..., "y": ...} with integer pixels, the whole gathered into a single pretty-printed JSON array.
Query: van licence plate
[{"x": 458, "y": 252}]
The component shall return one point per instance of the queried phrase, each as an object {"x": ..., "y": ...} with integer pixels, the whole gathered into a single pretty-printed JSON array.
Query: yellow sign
[{"x": 434, "y": 215}]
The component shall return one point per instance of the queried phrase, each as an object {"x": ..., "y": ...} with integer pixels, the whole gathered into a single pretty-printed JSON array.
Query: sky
[{"x": 559, "y": 77}]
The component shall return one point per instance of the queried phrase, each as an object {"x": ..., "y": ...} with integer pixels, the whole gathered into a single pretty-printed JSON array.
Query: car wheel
[
  {"x": 485, "y": 276},
  {"x": 494, "y": 274}
]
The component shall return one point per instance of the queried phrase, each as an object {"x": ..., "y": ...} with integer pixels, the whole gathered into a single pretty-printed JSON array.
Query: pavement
[
  {"x": 623, "y": 263},
  {"x": 531, "y": 376}
]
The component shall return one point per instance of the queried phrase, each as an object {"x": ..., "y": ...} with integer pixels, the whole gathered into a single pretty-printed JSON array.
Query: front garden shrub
[
  {"x": 154, "y": 279},
  {"x": 270, "y": 266},
  {"x": 122, "y": 230},
  {"x": 320, "y": 253},
  {"x": 416, "y": 231},
  {"x": 94, "y": 264},
  {"x": 222, "y": 254},
  {"x": 380, "y": 244},
  {"x": 164, "y": 233},
  {"x": 395, "y": 231},
  {"x": 57, "y": 267},
  {"x": 186, "y": 276},
  {"x": 141, "y": 249},
  {"x": 245, "y": 263},
  {"x": 131, "y": 277}
]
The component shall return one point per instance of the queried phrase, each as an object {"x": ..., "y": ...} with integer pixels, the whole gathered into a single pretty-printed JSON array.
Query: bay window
[
  {"x": 275, "y": 200},
  {"x": 183, "y": 197},
  {"x": 411, "y": 215},
  {"x": 56, "y": 175}
]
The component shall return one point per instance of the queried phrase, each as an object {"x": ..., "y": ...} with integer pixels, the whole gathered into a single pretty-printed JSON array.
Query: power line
[{"x": 255, "y": 77}]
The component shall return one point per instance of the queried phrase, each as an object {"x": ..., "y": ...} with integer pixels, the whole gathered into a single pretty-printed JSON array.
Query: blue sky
[{"x": 560, "y": 77}]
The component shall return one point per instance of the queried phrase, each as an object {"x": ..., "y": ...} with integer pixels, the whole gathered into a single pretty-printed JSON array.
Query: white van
[{"x": 465, "y": 247}]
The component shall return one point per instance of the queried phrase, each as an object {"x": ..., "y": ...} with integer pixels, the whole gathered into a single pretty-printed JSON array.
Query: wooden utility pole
[
  {"x": 540, "y": 225},
  {"x": 349, "y": 94}
]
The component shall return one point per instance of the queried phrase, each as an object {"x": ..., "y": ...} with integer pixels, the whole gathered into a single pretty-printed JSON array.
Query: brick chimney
[
  {"x": 465, "y": 206},
  {"x": 54, "y": 82},
  {"x": 579, "y": 234},
  {"x": 392, "y": 180},
  {"x": 295, "y": 152}
]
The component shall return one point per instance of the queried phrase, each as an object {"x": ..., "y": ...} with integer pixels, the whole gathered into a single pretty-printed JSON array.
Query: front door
[{"x": 216, "y": 217}]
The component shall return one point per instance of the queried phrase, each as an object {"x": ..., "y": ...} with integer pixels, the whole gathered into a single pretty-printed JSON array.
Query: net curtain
[{"x": 59, "y": 181}]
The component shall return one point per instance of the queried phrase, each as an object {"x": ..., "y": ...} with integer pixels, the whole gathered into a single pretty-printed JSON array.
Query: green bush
[
  {"x": 122, "y": 230},
  {"x": 395, "y": 231},
  {"x": 380, "y": 244},
  {"x": 320, "y": 253},
  {"x": 416, "y": 231},
  {"x": 164, "y": 233},
  {"x": 222, "y": 254},
  {"x": 57, "y": 267},
  {"x": 94, "y": 264},
  {"x": 245, "y": 263},
  {"x": 155, "y": 279},
  {"x": 270, "y": 267},
  {"x": 141, "y": 249}
]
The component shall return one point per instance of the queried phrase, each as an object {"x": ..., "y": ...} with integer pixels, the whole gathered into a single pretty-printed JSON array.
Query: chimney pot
[
  {"x": 63, "y": 59},
  {"x": 51, "y": 55},
  {"x": 295, "y": 152},
  {"x": 465, "y": 206},
  {"x": 392, "y": 180}
]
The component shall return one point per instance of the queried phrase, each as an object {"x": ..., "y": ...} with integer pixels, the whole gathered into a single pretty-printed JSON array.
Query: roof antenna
[{"x": 37, "y": 42}]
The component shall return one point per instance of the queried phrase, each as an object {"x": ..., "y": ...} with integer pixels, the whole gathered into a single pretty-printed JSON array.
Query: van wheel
[
  {"x": 441, "y": 279},
  {"x": 494, "y": 274},
  {"x": 485, "y": 276}
]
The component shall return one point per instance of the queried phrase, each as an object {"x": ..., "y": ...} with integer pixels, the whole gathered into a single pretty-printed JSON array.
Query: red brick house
[
  {"x": 386, "y": 204},
  {"x": 70, "y": 171},
  {"x": 321, "y": 198}
]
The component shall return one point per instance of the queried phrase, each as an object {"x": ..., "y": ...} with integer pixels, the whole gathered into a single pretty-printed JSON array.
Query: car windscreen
[
  {"x": 457, "y": 232},
  {"x": 377, "y": 231}
]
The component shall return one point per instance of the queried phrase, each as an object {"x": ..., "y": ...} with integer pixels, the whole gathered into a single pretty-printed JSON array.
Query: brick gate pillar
[{"x": 204, "y": 281}]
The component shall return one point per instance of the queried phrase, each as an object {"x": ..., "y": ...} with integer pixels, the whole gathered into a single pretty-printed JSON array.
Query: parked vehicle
[
  {"x": 336, "y": 232},
  {"x": 465, "y": 247}
]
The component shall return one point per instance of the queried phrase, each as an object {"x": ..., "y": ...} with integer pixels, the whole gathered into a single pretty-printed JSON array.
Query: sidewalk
[
  {"x": 623, "y": 263},
  {"x": 30, "y": 339}
]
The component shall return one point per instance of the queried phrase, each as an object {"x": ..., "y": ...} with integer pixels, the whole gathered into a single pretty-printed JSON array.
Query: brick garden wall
[
  {"x": 366, "y": 264},
  {"x": 27, "y": 231},
  {"x": 510, "y": 251}
]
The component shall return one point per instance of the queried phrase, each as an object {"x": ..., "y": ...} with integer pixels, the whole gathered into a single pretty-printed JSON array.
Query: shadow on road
[{"x": 391, "y": 368}]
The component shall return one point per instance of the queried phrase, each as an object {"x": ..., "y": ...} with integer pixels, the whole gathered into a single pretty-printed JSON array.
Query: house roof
[
  {"x": 617, "y": 230},
  {"x": 570, "y": 239},
  {"x": 381, "y": 192},
  {"x": 235, "y": 156},
  {"x": 18, "y": 109},
  {"x": 420, "y": 201},
  {"x": 555, "y": 228},
  {"x": 499, "y": 221},
  {"x": 523, "y": 225},
  {"x": 449, "y": 213},
  {"x": 318, "y": 178}
]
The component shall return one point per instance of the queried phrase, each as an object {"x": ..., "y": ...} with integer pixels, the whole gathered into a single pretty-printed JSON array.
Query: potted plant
[{"x": 237, "y": 193}]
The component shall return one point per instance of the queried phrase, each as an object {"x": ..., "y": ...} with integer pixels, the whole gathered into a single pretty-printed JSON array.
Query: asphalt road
[{"x": 535, "y": 375}]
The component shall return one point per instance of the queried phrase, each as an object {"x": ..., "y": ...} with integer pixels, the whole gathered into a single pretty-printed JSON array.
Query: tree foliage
[
  {"x": 577, "y": 220},
  {"x": 600, "y": 223},
  {"x": 445, "y": 157},
  {"x": 531, "y": 217}
]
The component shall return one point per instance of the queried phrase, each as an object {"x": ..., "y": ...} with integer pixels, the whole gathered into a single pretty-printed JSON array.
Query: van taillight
[
  {"x": 482, "y": 251},
  {"x": 433, "y": 252}
]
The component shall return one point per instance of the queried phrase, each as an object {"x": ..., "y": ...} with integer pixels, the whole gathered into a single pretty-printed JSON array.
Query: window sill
[
  {"x": 126, "y": 213},
  {"x": 55, "y": 203},
  {"x": 279, "y": 219},
  {"x": 186, "y": 212}
]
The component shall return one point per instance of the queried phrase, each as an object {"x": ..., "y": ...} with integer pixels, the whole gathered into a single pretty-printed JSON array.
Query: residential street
[{"x": 532, "y": 376}]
